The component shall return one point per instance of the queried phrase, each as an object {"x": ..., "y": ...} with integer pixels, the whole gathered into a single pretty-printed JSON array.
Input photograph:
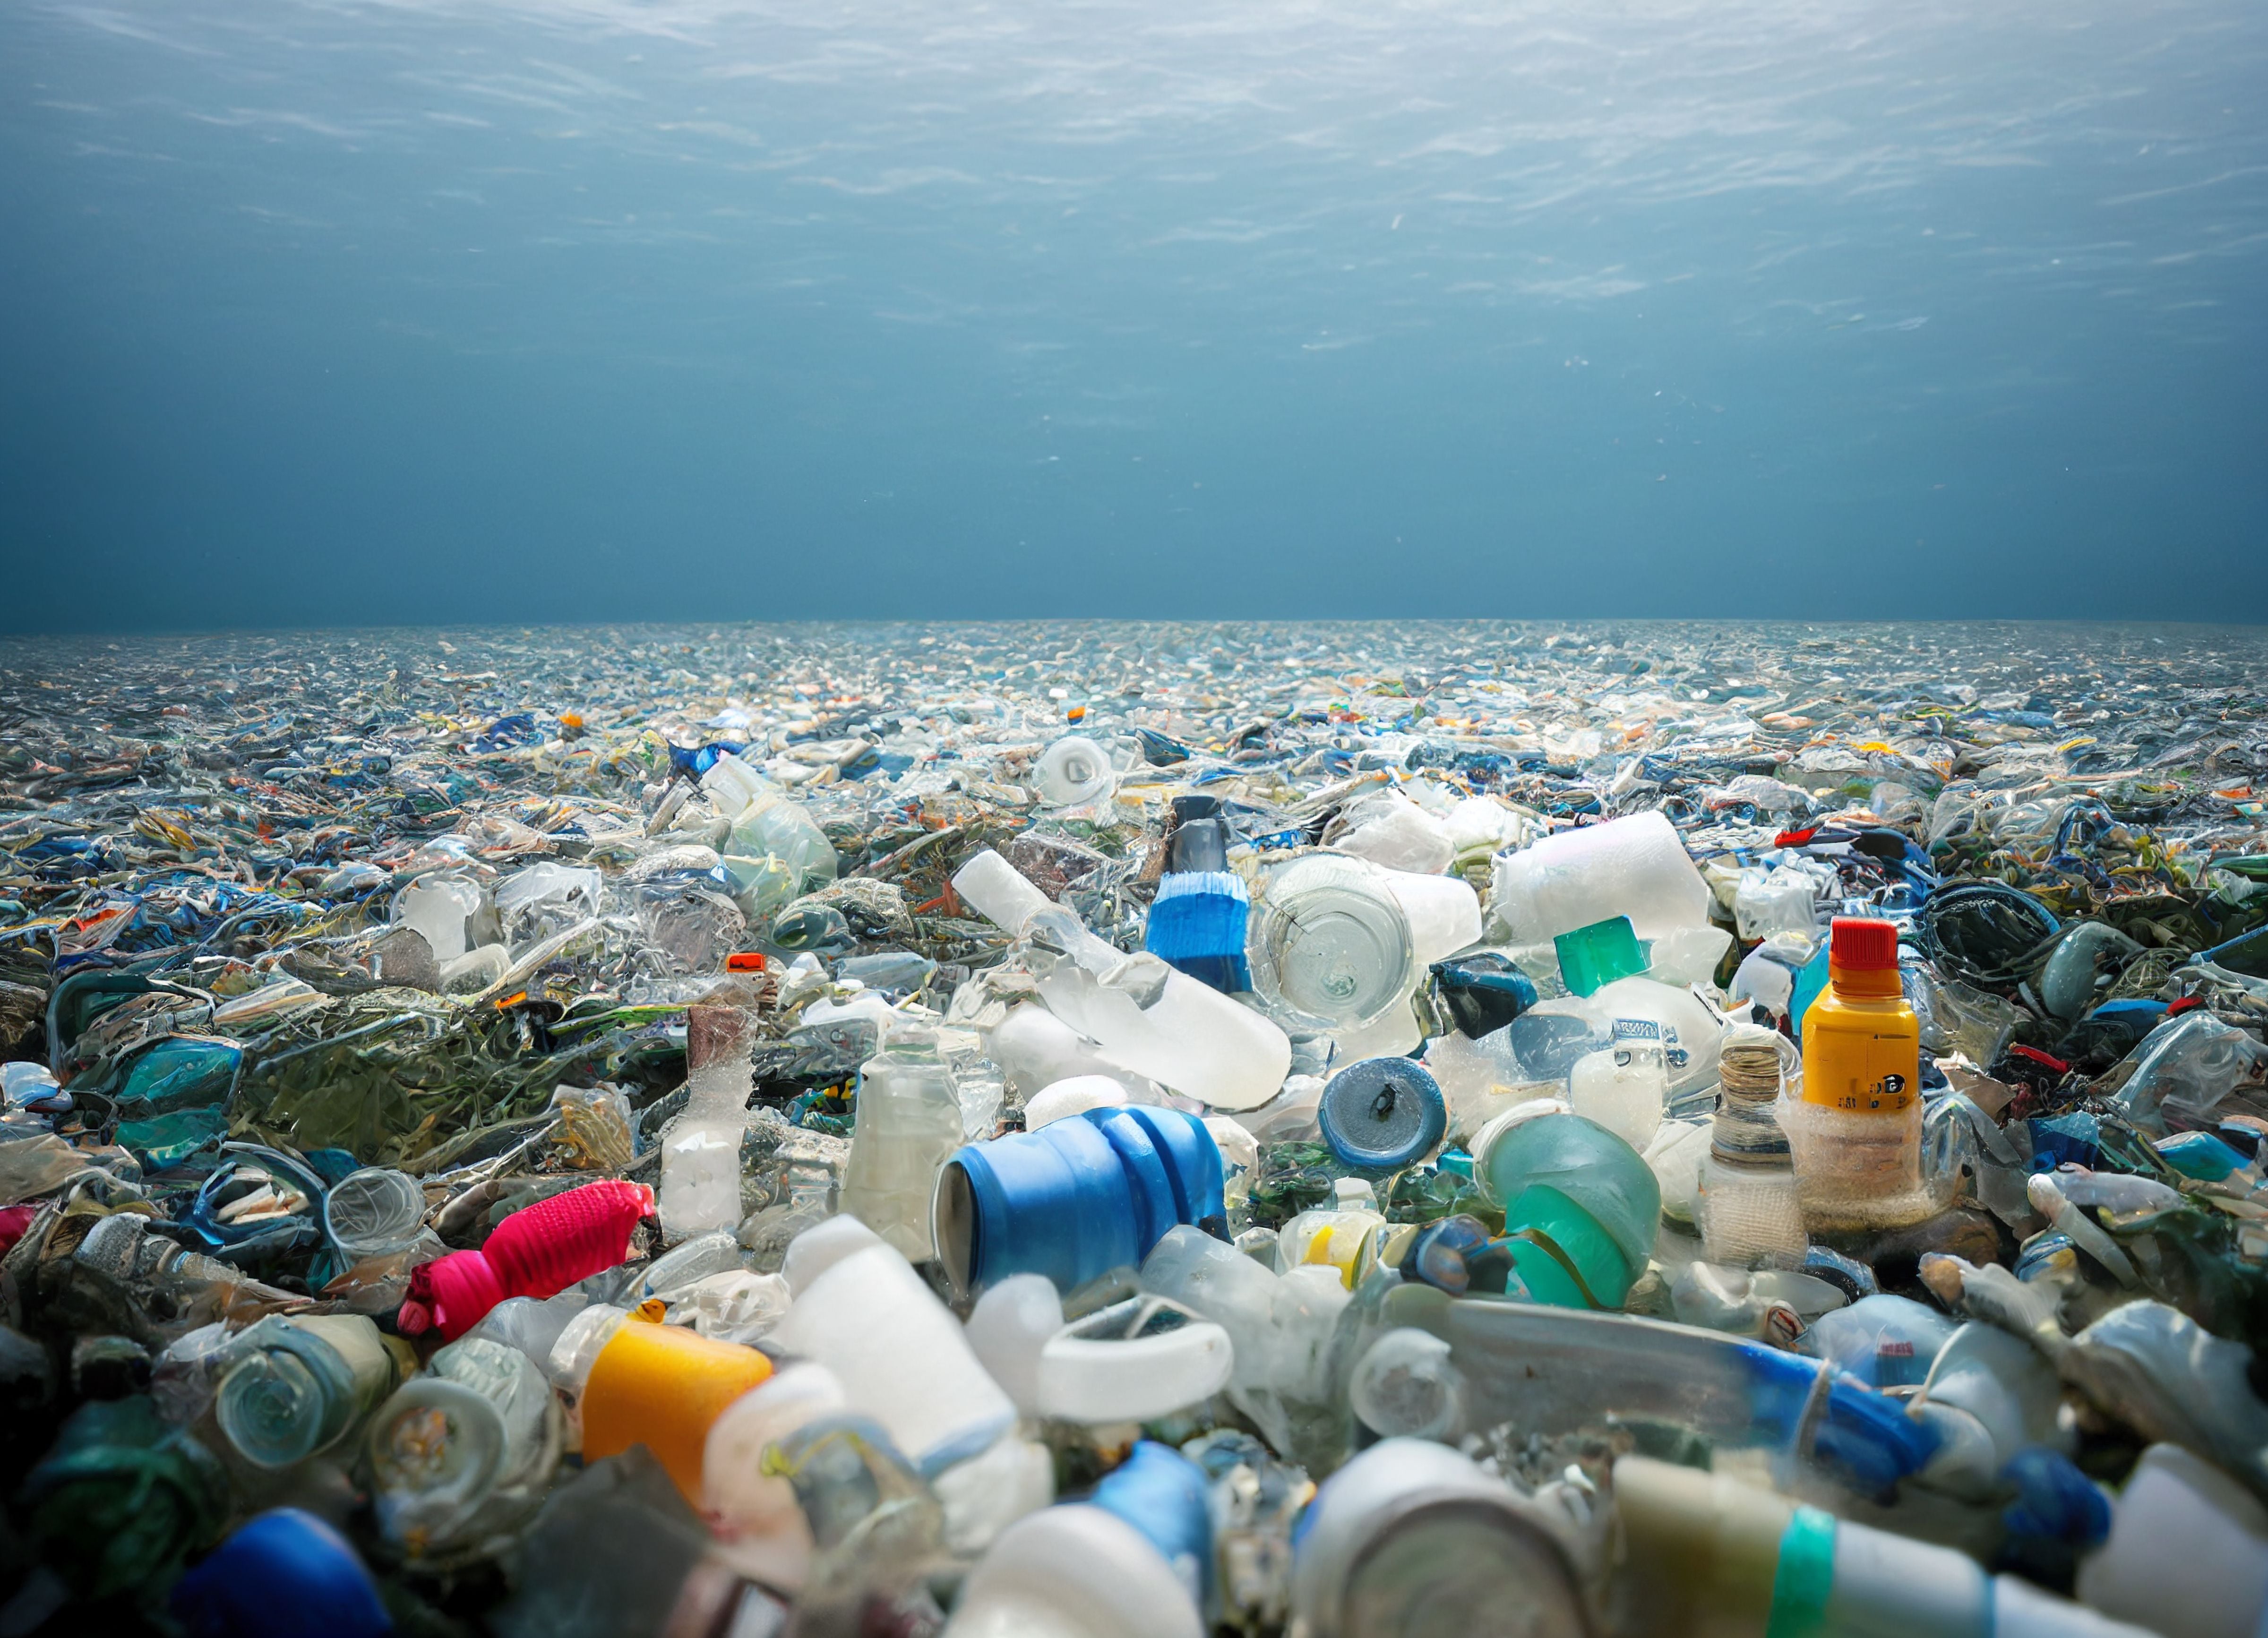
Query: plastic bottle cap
[
  {"x": 1592, "y": 958},
  {"x": 1863, "y": 955},
  {"x": 1380, "y": 1114},
  {"x": 1863, "y": 944}
]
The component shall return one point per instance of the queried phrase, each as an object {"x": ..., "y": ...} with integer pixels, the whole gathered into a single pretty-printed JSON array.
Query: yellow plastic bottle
[
  {"x": 1857, "y": 1134},
  {"x": 1861, "y": 1040}
]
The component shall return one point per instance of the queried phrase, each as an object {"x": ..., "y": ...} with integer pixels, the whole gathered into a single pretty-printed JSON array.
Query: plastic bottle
[
  {"x": 909, "y": 1125},
  {"x": 1581, "y": 1208},
  {"x": 298, "y": 1386},
  {"x": 1079, "y": 1197},
  {"x": 862, "y": 1312},
  {"x": 464, "y": 1452},
  {"x": 1338, "y": 945},
  {"x": 700, "y": 1154},
  {"x": 1748, "y": 1207},
  {"x": 767, "y": 823},
  {"x": 1635, "y": 866},
  {"x": 1856, "y": 1132},
  {"x": 635, "y": 1382},
  {"x": 537, "y": 1251},
  {"x": 1198, "y": 919},
  {"x": 1146, "y": 1016},
  {"x": 1709, "y": 1554},
  {"x": 1410, "y": 1537}
]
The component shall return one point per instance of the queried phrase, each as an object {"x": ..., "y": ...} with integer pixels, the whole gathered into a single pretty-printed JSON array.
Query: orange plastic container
[{"x": 662, "y": 1386}]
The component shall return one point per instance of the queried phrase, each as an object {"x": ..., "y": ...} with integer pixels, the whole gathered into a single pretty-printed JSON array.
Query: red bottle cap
[
  {"x": 1863, "y": 944},
  {"x": 1862, "y": 956}
]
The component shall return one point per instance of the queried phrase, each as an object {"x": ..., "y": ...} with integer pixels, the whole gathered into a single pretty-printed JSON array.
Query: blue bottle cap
[
  {"x": 285, "y": 1575},
  {"x": 1380, "y": 1114}
]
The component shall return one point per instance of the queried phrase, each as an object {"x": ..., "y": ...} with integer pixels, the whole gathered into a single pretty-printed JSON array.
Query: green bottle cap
[{"x": 1591, "y": 958}]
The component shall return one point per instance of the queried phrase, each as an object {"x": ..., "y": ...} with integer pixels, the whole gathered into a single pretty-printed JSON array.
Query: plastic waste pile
[{"x": 1136, "y": 1131}]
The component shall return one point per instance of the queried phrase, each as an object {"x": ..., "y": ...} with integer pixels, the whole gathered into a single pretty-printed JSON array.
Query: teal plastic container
[{"x": 1581, "y": 1209}]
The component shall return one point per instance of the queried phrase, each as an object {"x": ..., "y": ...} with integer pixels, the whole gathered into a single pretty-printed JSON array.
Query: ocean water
[{"x": 342, "y": 312}]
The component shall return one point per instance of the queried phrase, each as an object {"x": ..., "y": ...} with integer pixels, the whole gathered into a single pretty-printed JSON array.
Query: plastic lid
[
  {"x": 1380, "y": 1114},
  {"x": 1864, "y": 944},
  {"x": 1863, "y": 955},
  {"x": 1591, "y": 958}
]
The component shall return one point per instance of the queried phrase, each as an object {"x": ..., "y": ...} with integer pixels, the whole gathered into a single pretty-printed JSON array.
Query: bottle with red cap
[{"x": 1857, "y": 1134}]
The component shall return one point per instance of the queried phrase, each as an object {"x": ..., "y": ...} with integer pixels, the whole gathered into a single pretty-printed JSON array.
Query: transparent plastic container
[
  {"x": 375, "y": 1212},
  {"x": 767, "y": 823},
  {"x": 1749, "y": 1207},
  {"x": 908, "y": 1126},
  {"x": 1330, "y": 945}
]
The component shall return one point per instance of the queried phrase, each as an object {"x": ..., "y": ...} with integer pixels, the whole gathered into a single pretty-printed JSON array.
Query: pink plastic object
[{"x": 538, "y": 1250}]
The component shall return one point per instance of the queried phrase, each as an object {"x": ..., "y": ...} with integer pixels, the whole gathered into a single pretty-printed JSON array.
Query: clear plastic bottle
[
  {"x": 464, "y": 1452},
  {"x": 768, "y": 823},
  {"x": 701, "y": 1157},
  {"x": 1147, "y": 1017},
  {"x": 1748, "y": 1209},
  {"x": 909, "y": 1125}
]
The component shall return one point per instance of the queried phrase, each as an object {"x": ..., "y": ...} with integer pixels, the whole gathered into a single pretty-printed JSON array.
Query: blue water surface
[{"x": 367, "y": 311}]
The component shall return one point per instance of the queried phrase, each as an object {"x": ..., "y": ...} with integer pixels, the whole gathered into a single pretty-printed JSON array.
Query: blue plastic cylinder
[
  {"x": 285, "y": 1575},
  {"x": 1076, "y": 1198}
]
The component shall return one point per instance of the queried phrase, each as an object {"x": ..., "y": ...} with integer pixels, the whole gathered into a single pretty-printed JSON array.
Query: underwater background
[{"x": 377, "y": 311}]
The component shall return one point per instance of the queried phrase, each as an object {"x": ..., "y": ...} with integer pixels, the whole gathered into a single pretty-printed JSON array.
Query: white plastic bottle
[
  {"x": 1147, "y": 1017},
  {"x": 862, "y": 1312}
]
